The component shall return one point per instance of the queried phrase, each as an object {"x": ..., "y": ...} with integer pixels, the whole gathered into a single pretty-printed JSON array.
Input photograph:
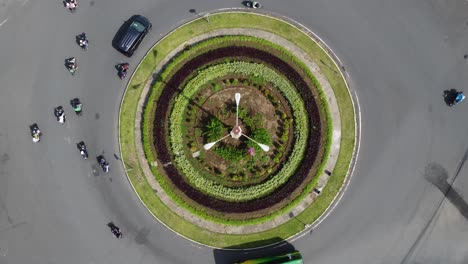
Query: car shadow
[{"x": 238, "y": 253}]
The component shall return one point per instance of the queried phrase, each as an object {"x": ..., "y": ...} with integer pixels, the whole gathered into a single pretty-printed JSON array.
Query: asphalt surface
[{"x": 407, "y": 199}]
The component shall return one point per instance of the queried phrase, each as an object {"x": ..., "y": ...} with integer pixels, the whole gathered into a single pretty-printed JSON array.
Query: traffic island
[{"x": 229, "y": 132}]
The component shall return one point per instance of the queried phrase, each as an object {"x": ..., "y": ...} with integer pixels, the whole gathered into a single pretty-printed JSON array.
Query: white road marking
[{"x": 1, "y": 24}]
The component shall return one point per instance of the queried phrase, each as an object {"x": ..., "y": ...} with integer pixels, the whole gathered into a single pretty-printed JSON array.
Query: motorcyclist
[
  {"x": 115, "y": 230},
  {"x": 71, "y": 5},
  {"x": 83, "y": 151},
  {"x": 82, "y": 40},
  {"x": 459, "y": 97},
  {"x": 35, "y": 132},
  {"x": 252, "y": 4},
  {"x": 83, "y": 43},
  {"x": 71, "y": 66},
  {"x": 71, "y": 63},
  {"x": 453, "y": 97},
  {"x": 123, "y": 70},
  {"x": 104, "y": 164},
  {"x": 76, "y": 104},
  {"x": 60, "y": 114}
]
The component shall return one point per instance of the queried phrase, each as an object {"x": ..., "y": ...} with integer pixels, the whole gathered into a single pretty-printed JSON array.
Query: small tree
[{"x": 214, "y": 130}]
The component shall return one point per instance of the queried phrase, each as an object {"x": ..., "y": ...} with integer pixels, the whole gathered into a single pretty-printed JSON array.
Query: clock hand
[
  {"x": 237, "y": 96},
  {"x": 262, "y": 146},
  {"x": 207, "y": 146}
]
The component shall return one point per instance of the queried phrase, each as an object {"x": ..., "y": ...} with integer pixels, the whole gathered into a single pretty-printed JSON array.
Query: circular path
[{"x": 400, "y": 56}]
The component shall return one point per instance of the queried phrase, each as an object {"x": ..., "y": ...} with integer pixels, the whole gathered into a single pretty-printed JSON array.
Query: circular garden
[
  {"x": 236, "y": 129},
  {"x": 236, "y": 179}
]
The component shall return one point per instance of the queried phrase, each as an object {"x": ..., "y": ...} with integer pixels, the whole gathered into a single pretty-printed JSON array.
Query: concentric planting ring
[
  {"x": 294, "y": 174},
  {"x": 197, "y": 66}
]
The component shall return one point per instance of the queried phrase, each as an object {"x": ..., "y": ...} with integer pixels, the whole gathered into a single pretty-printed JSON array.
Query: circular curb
[{"x": 355, "y": 152}]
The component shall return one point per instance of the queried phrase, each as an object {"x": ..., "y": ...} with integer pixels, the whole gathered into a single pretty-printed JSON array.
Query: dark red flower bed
[{"x": 164, "y": 153}]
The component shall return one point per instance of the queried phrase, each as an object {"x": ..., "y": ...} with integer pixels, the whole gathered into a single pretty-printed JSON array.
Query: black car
[{"x": 130, "y": 34}]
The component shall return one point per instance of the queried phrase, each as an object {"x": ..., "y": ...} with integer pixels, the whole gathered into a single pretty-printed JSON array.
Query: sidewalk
[{"x": 323, "y": 178}]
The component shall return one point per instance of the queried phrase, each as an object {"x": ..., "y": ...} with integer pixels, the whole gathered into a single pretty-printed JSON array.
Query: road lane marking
[{"x": 1, "y": 24}]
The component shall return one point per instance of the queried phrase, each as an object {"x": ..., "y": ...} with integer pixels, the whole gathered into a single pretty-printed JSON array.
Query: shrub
[
  {"x": 215, "y": 87},
  {"x": 214, "y": 130},
  {"x": 229, "y": 153}
]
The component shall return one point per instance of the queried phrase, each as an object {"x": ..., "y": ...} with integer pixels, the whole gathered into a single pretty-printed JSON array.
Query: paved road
[{"x": 400, "y": 55}]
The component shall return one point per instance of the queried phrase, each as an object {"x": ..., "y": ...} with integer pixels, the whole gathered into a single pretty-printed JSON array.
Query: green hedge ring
[{"x": 178, "y": 146}]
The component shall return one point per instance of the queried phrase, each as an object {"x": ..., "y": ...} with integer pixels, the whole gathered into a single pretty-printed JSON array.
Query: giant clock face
[
  {"x": 231, "y": 131},
  {"x": 238, "y": 131}
]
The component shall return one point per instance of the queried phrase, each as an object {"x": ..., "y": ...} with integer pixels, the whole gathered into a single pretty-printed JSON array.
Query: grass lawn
[{"x": 143, "y": 73}]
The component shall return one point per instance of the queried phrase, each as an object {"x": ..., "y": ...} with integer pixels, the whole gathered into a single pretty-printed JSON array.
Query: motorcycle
[
  {"x": 82, "y": 148},
  {"x": 115, "y": 230},
  {"x": 71, "y": 5},
  {"x": 76, "y": 105},
  {"x": 252, "y": 4},
  {"x": 454, "y": 97},
  {"x": 82, "y": 41},
  {"x": 60, "y": 114},
  {"x": 71, "y": 65},
  {"x": 35, "y": 132},
  {"x": 459, "y": 98},
  {"x": 122, "y": 70},
  {"x": 103, "y": 163}
]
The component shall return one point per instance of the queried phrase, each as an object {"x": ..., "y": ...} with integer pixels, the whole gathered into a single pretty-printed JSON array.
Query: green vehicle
[{"x": 290, "y": 258}]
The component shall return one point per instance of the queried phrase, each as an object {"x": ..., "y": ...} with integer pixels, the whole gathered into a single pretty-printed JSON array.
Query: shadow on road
[
  {"x": 449, "y": 96},
  {"x": 235, "y": 253},
  {"x": 438, "y": 176}
]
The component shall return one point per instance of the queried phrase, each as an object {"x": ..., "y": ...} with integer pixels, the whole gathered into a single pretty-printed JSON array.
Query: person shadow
[{"x": 449, "y": 96}]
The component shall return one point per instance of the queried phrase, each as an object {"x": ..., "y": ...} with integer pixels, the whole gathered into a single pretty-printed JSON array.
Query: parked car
[{"x": 130, "y": 34}]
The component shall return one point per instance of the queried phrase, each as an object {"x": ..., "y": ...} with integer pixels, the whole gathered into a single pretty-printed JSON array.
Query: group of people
[
  {"x": 59, "y": 112},
  {"x": 82, "y": 41}
]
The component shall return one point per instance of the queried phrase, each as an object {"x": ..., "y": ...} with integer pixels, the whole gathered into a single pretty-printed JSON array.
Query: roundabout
[
  {"x": 406, "y": 198},
  {"x": 244, "y": 193}
]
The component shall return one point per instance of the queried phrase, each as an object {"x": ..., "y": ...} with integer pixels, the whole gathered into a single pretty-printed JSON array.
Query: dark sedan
[{"x": 130, "y": 34}]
